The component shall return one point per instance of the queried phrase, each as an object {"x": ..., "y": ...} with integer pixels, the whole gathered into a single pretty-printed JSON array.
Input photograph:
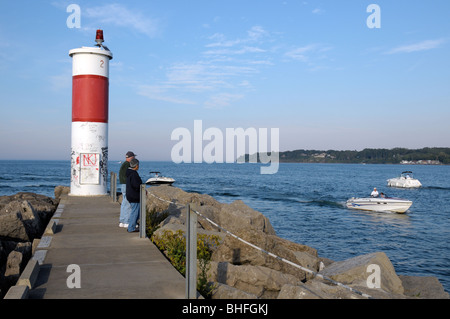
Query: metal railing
[
  {"x": 143, "y": 212},
  {"x": 113, "y": 186},
  {"x": 191, "y": 242},
  {"x": 191, "y": 253}
]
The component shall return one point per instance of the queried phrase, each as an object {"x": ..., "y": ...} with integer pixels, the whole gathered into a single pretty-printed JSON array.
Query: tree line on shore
[{"x": 427, "y": 155}]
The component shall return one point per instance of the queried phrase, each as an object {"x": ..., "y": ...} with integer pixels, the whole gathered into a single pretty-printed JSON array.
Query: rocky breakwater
[
  {"x": 23, "y": 219},
  {"x": 239, "y": 271}
]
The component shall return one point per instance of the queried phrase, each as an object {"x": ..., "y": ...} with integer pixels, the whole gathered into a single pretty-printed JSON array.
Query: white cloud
[
  {"x": 421, "y": 46},
  {"x": 308, "y": 52},
  {"x": 314, "y": 56},
  {"x": 116, "y": 14},
  {"x": 221, "y": 41},
  {"x": 188, "y": 84},
  {"x": 301, "y": 53},
  {"x": 197, "y": 77},
  {"x": 222, "y": 100},
  {"x": 254, "y": 35},
  {"x": 204, "y": 76},
  {"x": 162, "y": 93},
  {"x": 243, "y": 50},
  {"x": 220, "y": 78}
]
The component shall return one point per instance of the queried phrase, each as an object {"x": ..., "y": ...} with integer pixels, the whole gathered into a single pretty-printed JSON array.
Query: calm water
[{"x": 305, "y": 204}]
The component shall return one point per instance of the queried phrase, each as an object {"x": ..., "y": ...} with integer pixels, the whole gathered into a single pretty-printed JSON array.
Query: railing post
[
  {"x": 113, "y": 186},
  {"x": 143, "y": 212},
  {"x": 191, "y": 254}
]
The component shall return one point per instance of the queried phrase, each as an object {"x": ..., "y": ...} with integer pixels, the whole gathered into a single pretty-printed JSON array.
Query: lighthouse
[{"x": 89, "y": 141}]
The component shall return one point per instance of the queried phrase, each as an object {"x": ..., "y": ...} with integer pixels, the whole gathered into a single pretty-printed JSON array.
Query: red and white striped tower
[{"x": 90, "y": 81}]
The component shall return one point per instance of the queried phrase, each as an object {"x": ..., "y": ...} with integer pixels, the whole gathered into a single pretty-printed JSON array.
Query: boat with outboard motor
[
  {"x": 380, "y": 204},
  {"x": 405, "y": 180},
  {"x": 158, "y": 179}
]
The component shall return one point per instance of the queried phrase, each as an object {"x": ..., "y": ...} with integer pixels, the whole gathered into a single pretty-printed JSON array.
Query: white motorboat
[
  {"x": 380, "y": 204},
  {"x": 405, "y": 180},
  {"x": 158, "y": 179}
]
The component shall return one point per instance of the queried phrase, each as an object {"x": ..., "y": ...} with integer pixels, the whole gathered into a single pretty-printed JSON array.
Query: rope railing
[{"x": 263, "y": 250}]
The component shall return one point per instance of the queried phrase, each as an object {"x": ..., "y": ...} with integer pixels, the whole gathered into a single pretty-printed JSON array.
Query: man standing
[
  {"x": 125, "y": 208},
  {"x": 133, "y": 194},
  {"x": 374, "y": 193}
]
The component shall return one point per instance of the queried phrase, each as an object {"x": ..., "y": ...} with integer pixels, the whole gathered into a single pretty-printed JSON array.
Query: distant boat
[
  {"x": 405, "y": 180},
  {"x": 380, "y": 204},
  {"x": 158, "y": 179}
]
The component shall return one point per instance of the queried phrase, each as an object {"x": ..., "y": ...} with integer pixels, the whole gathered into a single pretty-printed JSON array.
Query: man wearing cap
[
  {"x": 133, "y": 193},
  {"x": 125, "y": 208}
]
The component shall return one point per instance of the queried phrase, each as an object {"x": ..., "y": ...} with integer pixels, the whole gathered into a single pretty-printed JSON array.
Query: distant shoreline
[
  {"x": 402, "y": 156},
  {"x": 285, "y": 162}
]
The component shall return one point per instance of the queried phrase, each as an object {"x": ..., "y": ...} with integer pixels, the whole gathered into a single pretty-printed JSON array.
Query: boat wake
[
  {"x": 322, "y": 203},
  {"x": 224, "y": 194},
  {"x": 437, "y": 187}
]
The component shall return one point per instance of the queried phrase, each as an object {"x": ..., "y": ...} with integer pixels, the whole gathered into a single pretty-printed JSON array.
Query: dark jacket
[
  {"x": 123, "y": 172},
  {"x": 134, "y": 182}
]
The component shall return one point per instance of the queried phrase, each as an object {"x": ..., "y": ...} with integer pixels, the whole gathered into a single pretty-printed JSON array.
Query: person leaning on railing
[
  {"x": 125, "y": 208},
  {"x": 133, "y": 194}
]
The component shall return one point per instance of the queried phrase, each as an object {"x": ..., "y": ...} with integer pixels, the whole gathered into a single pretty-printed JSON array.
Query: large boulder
[
  {"x": 314, "y": 290},
  {"x": 232, "y": 217},
  {"x": 260, "y": 281},
  {"x": 356, "y": 271},
  {"x": 20, "y": 221},
  {"x": 324, "y": 289},
  {"x": 11, "y": 266},
  {"x": 237, "y": 252},
  {"x": 423, "y": 287},
  {"x": 61, "y": 190},
  {"x": 24, "y": 216},
  {"x": 43, "y": 204},
  {"x": 222, "y": 291},
  {"x": 12, "y": 227}
]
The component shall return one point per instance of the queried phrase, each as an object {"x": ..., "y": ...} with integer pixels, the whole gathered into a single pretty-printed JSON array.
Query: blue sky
[{"x": 312, "y": 69}]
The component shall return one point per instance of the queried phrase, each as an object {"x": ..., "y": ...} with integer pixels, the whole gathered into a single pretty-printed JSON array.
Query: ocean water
[{"x": 305, "y": 203}]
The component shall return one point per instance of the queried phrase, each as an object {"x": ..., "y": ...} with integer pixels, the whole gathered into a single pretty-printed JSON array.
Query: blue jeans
[
  {"x": 125, "y": 208},
  {"x": 134, "y": 216}
]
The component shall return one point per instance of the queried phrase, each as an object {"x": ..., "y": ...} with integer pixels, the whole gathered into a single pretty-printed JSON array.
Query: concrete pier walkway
[{"x": 112, "y": 262}]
